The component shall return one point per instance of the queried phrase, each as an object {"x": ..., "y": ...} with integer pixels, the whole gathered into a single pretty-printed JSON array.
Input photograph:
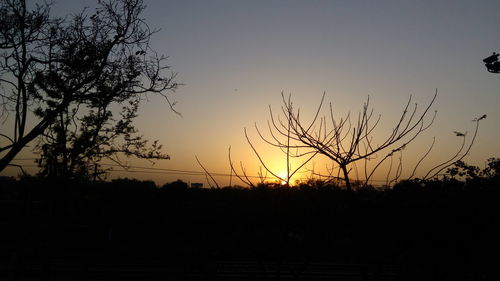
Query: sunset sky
[{"x": 236, "y": 57}]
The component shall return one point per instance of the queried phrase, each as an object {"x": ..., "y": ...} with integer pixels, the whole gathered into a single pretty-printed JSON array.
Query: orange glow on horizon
[{"x": 284, "y": 175}]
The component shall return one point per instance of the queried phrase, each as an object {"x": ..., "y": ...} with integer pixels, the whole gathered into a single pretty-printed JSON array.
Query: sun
[{"x": 283, "y": 175}]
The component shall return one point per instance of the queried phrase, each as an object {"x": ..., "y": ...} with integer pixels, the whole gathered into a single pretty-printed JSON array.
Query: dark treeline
[{"x": 433, "y": 227}]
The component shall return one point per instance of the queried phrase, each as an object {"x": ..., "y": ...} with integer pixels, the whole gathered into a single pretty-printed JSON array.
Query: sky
[{"x": 235, "y": 58}]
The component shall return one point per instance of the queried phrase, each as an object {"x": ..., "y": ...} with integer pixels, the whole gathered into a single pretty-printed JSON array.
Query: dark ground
[{"x": 129, "y": 230}]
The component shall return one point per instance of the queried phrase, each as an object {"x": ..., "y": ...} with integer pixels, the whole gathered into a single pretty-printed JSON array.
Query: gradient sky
[{"x": 236, "y": 57}]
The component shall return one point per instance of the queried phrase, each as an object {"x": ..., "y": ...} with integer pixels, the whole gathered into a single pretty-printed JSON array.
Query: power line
[
  {"x": 166, "y": 171},
  {"x": 154, "y": 169},
  {"x": 175, "y": 171}
]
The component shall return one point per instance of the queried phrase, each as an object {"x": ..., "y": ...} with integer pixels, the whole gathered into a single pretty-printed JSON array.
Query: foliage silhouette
[
  {"x": 70, "y": 72},
  {"x": 177, "y": 185},
  {"x": 473, "y": 174}
]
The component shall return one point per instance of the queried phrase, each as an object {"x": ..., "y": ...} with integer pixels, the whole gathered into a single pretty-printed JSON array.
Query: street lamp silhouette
[{"x": 492, "y": 63}]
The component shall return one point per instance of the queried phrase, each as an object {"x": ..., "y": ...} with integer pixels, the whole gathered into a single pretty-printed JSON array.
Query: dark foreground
[
  {"x": 218, "y": 270},
  {"x": 129, "y": 230}
]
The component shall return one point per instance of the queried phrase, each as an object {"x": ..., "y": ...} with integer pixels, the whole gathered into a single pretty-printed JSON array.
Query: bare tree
[
  {"x": 289, "y": 150},
  {"x": 53, "y": 69},
  {"x": 459, "y": 155},
  {"x": 207, "y": 174},
  {"x": 341, "y": 140},
  {"x": 243, "y": 177}
]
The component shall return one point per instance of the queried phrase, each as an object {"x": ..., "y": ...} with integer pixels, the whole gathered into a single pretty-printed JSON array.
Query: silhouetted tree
[
  {"x": 340, "y": 140},
  {"x": 462, "y": 170},
  {"x": 66, "y": 73},
  {"x": 177, "y": 185}
]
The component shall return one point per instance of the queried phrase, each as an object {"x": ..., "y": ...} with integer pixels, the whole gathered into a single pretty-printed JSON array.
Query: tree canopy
[{"x": 60, "y": 76}]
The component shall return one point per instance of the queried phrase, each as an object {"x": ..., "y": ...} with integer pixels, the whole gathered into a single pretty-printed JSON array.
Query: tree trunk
[
  {"x": 21, "y": 143},
  {"x": 346, "y": 177}
]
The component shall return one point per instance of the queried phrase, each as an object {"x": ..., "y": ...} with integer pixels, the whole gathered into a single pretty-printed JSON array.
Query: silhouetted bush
[{"x": 177, "y": 185}]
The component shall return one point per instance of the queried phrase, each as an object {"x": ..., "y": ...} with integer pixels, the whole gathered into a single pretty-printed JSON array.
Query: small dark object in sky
[
  {"x": 480, "y": 118},
  {"x": 492, "y": 63},
  {"x": 458, "y": 134}
]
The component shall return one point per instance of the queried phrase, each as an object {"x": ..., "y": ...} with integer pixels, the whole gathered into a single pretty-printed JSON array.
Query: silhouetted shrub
[{"x": 177, "y": 185}]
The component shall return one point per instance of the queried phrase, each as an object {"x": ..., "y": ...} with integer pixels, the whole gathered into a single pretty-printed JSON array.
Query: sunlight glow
[{"x": 283, "y": 175}]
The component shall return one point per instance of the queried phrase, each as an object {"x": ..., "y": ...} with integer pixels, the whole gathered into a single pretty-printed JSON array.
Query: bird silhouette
[
  {"x": 480, "y": 118},
  {"x": 458, "y": 134}
]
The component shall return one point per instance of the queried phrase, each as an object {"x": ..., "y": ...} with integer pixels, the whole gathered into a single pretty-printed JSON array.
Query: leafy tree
[
  {"x": 464, "y": 171},
  {"x": 66, "y": 74},
  {"x": 493, "y": 168}
]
